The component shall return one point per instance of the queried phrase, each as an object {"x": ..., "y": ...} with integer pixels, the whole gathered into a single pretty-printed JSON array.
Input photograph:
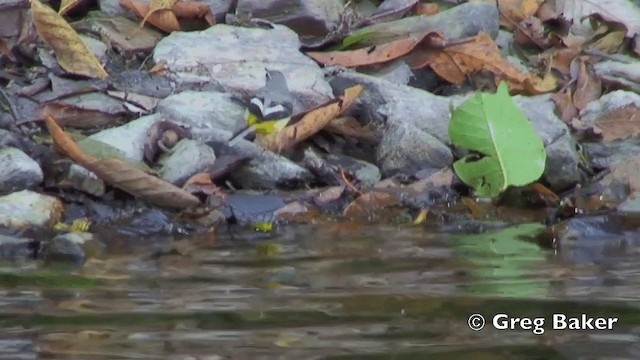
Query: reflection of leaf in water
[{"x": 505, "y": 259}]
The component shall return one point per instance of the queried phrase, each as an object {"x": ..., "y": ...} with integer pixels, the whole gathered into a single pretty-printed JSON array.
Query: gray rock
[
  {"x": 397, "y": 72},
  {"x": 306, "y": 17},
  {"x": 96, "y": 47},
  {"x": 204, "y": 110},
  {"x": 128, "y": 138},
  {"x": 266, "y": 170},
  {"x": 233, "y": 59},
  {"x": 561, "y": 169},
  {"x": 112, "y": 7},
  {"x": 24, "y": 209},
  {"x": 631, "y": 206},
  {"x": 605, "y": 155},
  {"x": 69, "y": 247},
  {"x": 326, "y": 168},
  {"x": 406, "y": 149},
  {"x": 478, "y": 17},
  {"x": 626, "y": 73},
  {"x": 15, "y": 248},
  {"x": 18, "y": 171},
  {"x": 188, "y": 158},
  {"x": 407, "y": 110}
]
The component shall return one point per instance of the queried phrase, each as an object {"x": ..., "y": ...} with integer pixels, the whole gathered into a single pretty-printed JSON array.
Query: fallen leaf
[
  {"x": 349, "y": 126},
  {"x": 478, "y": 210},
  {"x": 620, "y": 124},
  {"x": 156, "y": 6},
  {"x": 68, "y": 5},
  {"x": 371, "y": 55},
  {"x": 514, "y": 11},
  {"x": 312, "y": 122},
  {"x": 368, "y": 203},
  {"x": 72, "y": 54},
  {"x": 616, "y": 11},
  {"x": 164, "y": 20},
  {"x": 427, "y": 9},
  {"x": 74, "y": 116},
  {"x": 564, "y": 102},
  {"x": 122, "y": 175},
  {"x": 588, "y": 85},
  {"x": 610, "y": 43},
  {"x": 455, "y": 62}
]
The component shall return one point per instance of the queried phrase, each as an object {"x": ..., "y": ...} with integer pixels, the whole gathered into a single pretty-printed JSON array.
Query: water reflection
[{"x": 328, "y": 291}]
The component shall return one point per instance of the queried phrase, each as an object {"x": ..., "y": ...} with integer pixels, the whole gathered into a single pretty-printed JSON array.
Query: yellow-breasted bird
[{"x": 269, "y": 111}]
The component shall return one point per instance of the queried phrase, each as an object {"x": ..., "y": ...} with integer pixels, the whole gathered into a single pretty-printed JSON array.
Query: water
[{"x": 329, "y": 291}]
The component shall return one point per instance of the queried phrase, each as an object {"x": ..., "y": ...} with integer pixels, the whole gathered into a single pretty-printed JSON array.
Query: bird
[{"x": 269, "y": 111}]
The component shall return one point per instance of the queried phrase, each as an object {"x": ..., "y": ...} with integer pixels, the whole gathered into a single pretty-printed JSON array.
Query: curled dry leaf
[
  {"x": 72, "y": 54},
  {"x": 156, "y": 136},
  {"x": 122, "y": 175},
  {"x": 455, "y": 62},
  {"x": 588, "y": 84},
  {"x": 74, "y": 116},
  {"x": 311, "y": 123},
  {"x": 164, "y": 20},
  {"x": 68, "y": 5},
  {"x": 371, "y": 55},
  {"x": 620, "y": 124},
  {"x": 514, "y": 11},
  {"x": 156, "y": 6}
]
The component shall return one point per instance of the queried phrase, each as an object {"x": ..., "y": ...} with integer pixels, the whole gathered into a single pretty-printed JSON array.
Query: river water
[{"x": 330, "y": 291}]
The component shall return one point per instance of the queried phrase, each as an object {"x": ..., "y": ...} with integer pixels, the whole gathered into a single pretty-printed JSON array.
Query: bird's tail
[{"x": 240, "y": 134}]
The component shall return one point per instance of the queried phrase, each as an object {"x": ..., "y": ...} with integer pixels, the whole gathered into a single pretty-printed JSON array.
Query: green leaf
[{"x": 505, "y": 150}]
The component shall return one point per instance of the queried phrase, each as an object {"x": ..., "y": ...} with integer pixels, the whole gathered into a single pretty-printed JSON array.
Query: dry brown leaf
[
  {"x": 427, "y": 9},
  {"x": 372, "y": 201},
  {"x": 349, "y": 126},
  {"x": 164, "y": 20},
  {"x": 155, "y": 6},
  {"x": 122, "y": 175},
  {"x": 620, "y": 124},
  {"x": 69, "y": 115},
  {"x": 477, "y": 210},
  {"x": 72, "y": 54},
  {"x": 617, "y": 11},
  {"x": 371, "y": 55},
  {"x": 312, "y": 122},
  {"x": 455, "y": 62},
  {"x": 564, "y": 103},
  {"x": 67, "y": 5},
  {"x": 588, "y": 84},
  {"x": 514, "y": 11}
]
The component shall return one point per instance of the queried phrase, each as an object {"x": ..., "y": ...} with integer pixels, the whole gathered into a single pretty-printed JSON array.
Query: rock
[
  {"x": 248, "y": 208},
  {"x": 203, "y": 111},
  {"x": 18, "y": 171},
  {"x": 266, "y": 170},
  {"x": 24, "y": 209},
  {"x": 327, "y": 168},
  {"x": 305, "y": 17},
  {"x": 67, "y": 248},
  {"x": 188, "y": 158},
  {"x": 562, "y": 170},
  {"x": 128, "y": 138},
  {"x": 112, "y": 7},
  {"x": 15, "y": 248},
  {"x": 233, "y": 60},
  {"x": 631, "y": 206},
  {"x": 478, "y": 17},
  {"x": 405, "y": 149},
  {"x": 397, "y": 72},
  {"x": 397, "y": 105},
  {"x": 620, "y": 73},
  {"x": 96, "y": 47}
]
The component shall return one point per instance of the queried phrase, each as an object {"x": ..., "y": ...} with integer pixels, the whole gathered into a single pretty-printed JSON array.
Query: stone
[
  {"x": 187, "y": 158},
  {"x": 233, "y": 59},
  {"x": 15, "y": 248},
  {"x": 18, "y": 171},
  {"x": 25, "y": 209}
]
